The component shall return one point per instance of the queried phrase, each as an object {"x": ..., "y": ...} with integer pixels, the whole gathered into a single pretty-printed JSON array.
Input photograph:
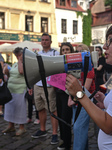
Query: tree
[{"x": 108, "y": 3}]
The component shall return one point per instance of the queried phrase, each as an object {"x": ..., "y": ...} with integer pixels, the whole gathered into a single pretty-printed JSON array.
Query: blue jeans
[{"x": 80, "y": 130}]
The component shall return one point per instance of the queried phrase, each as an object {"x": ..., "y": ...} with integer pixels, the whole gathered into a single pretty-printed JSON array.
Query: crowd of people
[{"x": 61, "y": 103}]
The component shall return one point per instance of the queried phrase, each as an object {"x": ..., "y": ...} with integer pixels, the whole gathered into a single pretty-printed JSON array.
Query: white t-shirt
[
  {"x": 51, "y": 52},
  {"x": 105, "y": 140}
]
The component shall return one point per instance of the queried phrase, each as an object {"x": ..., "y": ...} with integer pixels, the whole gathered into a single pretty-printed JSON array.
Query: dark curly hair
[{"x": 66, "y": 44}]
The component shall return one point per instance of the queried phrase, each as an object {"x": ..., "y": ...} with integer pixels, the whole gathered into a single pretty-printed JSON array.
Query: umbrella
[
  {"x": 30, "y": 45},
  {"x": 5, "y": 44}
]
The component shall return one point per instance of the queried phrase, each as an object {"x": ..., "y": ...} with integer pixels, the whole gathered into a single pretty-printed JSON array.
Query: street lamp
[{"x": 28, "y": 22}]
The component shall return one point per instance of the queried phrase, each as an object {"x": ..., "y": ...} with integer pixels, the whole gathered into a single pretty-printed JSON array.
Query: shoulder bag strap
[
  {"x": 86, "y": 65},
  {"x": 43, "y": 78}
]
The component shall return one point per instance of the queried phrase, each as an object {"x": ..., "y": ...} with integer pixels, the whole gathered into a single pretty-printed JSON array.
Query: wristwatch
[{"x": 79, "y": 95}]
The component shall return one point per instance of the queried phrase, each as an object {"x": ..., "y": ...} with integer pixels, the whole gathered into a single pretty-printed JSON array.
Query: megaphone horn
[{"x": 52, "y": 65}]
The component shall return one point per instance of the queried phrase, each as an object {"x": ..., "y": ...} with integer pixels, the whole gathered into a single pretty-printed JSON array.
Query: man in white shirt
[{"x": 40, "y": 99}]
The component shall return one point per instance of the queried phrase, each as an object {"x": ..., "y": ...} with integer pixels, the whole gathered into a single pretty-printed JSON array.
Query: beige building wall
[{"x": 15, "y": 11}]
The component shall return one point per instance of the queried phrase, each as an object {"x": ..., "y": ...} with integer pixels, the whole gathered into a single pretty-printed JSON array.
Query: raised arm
[
  {"x": 101, "y": 118},
  {"x": 99, "y": 67},
  {"x": 20, "y": 64},
  {"x": 88, "y": 83}
]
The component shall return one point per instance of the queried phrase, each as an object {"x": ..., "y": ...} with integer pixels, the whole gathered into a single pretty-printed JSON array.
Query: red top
[{"x": 90, "y": 75}]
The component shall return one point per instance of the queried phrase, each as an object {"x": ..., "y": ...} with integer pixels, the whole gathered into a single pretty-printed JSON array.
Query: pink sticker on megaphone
[{"x": 57, "y": 80}]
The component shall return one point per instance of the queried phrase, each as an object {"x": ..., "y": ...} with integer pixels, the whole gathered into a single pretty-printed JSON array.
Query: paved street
[{"x": 10, "y": 142}]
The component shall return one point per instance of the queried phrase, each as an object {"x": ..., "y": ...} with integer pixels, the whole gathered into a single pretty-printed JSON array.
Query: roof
[
  {"x": 102, "y": 18},
  {"x": 69, "y": 7},
  {"x": 98, "y": 6}
]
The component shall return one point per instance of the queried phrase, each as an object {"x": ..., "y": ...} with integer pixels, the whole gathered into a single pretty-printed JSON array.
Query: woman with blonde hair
[{"x": 82, "y": 48}]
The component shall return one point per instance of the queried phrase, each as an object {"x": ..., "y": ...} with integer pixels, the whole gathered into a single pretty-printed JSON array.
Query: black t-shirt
[
  {"x": 108, "y": 68},
  {"x": 101, "y": 61}
]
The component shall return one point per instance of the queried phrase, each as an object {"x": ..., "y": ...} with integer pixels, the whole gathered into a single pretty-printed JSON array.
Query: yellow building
[{"x": 26, "y": 20}]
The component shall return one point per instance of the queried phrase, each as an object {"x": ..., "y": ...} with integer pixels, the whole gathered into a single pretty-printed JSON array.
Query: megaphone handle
[{"x": 86, "y": 66}]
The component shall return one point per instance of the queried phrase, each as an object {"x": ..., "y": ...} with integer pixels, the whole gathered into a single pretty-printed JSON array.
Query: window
[
  {"x": 75, "y": 27},
  {"x": 2, "y": 20},
  {"x": 63, "y": 26},
  {"x": 62, "y": 3},
  {"x": 43, "y": 0},
  {"x": 74, "y": 3},
  {"x": 44, "y": 25},
  {"x": 81, "y": 4},
  {"x": 28, "y": 23}
]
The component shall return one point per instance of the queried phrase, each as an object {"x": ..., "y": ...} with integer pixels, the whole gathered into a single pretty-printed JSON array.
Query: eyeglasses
[{"x": 108, "y": 42}]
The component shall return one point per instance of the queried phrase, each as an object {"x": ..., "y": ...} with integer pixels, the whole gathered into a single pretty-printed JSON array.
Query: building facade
[
  {"x": 69, "y": 26},
  {"x": 101, "y": 20},
  {"x": 84, "y": 4},
  {"x": 22, "y": 20},
  {"x": 26, "y": 20}
]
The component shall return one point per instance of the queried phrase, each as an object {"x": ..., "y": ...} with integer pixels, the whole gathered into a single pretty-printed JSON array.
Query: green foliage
[
  {"x": 79, "y": 14},
  {"x": 87, "y": 20},
  {"x": 108, "y": 3}
]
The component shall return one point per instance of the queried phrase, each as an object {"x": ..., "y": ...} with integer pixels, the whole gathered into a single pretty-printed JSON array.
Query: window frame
[
  {"x": 64, "y": 26},
  {"x": 81, "y": 4},
  {"x": 2, "y": 16},
  {"x": 75, "y": 27},
  {"x": 28, "y": 22},
  {"x": 62, "y": 2},
  {"x": 44, "y": 25},
  {"x": 74, "y": 3}
]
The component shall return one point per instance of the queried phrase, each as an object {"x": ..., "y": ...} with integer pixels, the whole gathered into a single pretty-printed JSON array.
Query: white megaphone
[{"x": 73, "y": 62}]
